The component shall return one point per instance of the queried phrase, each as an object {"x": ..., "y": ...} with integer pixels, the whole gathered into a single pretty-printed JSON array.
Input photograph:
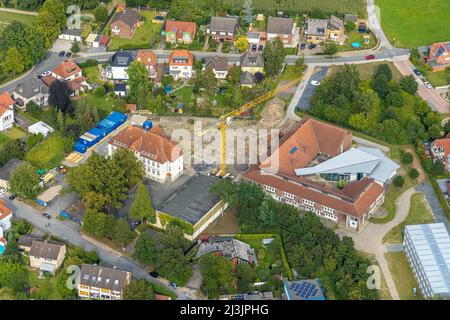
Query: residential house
[
  {"x": 440, "y": 151},
  {"x": 427, "y": 247},
  {"x": 252, "y": 62},
  {"x": 222, "y": 28},
  {"x": 181, "y": 64},
  {"x": 71, "y": 73},
  {"x": 439, "y": 56},
  {"x": 71, "y": 35},
  {"x": 306, "y": 289},
  {"x": 5, "y": 216},
  {"x": 219, "y": 65},
  {"x": 180, "y": 31},
  {"x": 283, "y": 28},
  {"x": 124, "y": 23},
  {"x": 120, "y": 62},
  {"x": 120, "y": 89},
  {"x": 150, "y": 60},
  {"x": 47, "y": 255},
  {"x": 6, "y": 170},
  {"x": 256, "y": 39},
  {"x": 284, "y": 174},
  {"x": 228, "y": 247},
  {"x": 247, "y": 79},
  {"x": 97, "y": 282},
  {"x": 26, "y": 240},
  {"x": 336, "y": 30},
  {"x": 162, "y": 158},
  {"x": 31, "y": 90},
  {"x": 6, "y": 111},
  {"x": 315, "y": 30}
]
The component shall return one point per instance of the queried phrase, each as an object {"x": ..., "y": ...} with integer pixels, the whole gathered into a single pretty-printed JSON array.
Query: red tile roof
[
  {"x": 66, "y": 69},
  {"x": 149, "y": 144},
  {"x": 147, "y": 57},
  {"x": 181, "y": 54},
  {"x": 5, "y": 102},
  {"x": 4, "y": 210},
  {"x": 181, "y": 26},
  {"x": 105, "y": 40}
]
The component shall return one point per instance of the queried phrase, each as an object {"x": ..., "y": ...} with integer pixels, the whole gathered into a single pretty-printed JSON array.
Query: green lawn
[
  {"x": 415, "y": 23},
  {"x": 402, "y": 275},
  {"x": 419, "y": 213},
  {"x": 92, "y": 74},
  {"x": 12, "y": 134},
  {"x": 355, "y": 36},
  {"x": 184, "y": 94},
  {"x": 367, "y": 70},
  {"x": 104, "y": 104},
  {"x": 439, "y": 79},
  {"x": 8, "y": 17},
  {"x": 47, "y": 154},
  {"x": 141, "y": 37}
]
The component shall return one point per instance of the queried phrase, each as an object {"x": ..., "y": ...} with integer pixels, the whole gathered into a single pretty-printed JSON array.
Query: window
[
  {"x": 288, "y": 195},
  {"x": 308, "y": 203},
  {"x": 269, "y": 188},
  {"x": 327, "y": 209}
]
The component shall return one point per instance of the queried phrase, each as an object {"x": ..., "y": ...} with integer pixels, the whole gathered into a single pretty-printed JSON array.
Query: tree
[
  {"x": 384, "y": 69},
  {"x": 140, "y": 87},
  {"x": 145, "y": 250},
  {"x": 241, "y": 43},
  {"x": 274, "y": 55},
  {"x": 13, "y": 63},
  {"x": 51, "y": 20},
  {"x": 399, "y": 181},
  {"x": 413, "y": 173},
  {"x": 266, "y": 215},
  {"x": 246, "y": 276},
  {"x": 59, "y": 96},
  {"x": 407, "y": 157},
  {"x": 139, "y": 290},
  {"x": 173, "y": 237},
  {"x": 394, "y": 99},
  {"x": 341, "y": 184},
  {"x": 350, "y": 26},
  {"x": 437, "y": 168},
  {"x": 10, "y": 150},
  {"x": 258, "y": 77},
  {"x": 75, "y": 48},
  {"x": 142, "y": 208},
  {"x": 217, "y": 274},
  {"x": 331, "y": 49},
  {"x": 122, "y": 234},
  {"x": 234, "y": 76},
  {"x": 409, "y": 84},
  {"x": 249, "y": 17},
  {"x": 24, "y": 181},
  {"x": 174, "y": 265},
  {"x": 100, "y": 13},
  {"x": 127, "y": 161},
  {"x": 94, "y": 222},
  {"x": 14, "y": 276},
  {"x": 381, "y": 85}
]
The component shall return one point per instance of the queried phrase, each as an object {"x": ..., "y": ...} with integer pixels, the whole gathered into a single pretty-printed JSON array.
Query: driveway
[
  {"x": 318, "y": 75},
  {"x": 439, "y": 215}
]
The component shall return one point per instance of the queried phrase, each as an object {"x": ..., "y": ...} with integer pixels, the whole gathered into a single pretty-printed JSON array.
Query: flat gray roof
[
  {"x": 431, "y": 243},
  {"x": 192, "y": 200},
  {"x": 9, "y": 167}
]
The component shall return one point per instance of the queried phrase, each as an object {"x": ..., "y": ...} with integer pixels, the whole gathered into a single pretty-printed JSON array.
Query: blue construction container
[
  {"x": 99, "y": 133},
  {"x": 117, "y": 118},
  {"x": 88, "y": 139},
  {"x": 107, "y": 124},
  {"x": 80, "y": 148},
  {"x": 147, "y": 125}
]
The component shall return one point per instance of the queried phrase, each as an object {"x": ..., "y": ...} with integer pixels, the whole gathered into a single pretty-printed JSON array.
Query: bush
[
  {"x": 413, "y": 173},
  {"x": 407, "y": 158},
  {"x": 341, "y": 184},
  {"x": 399, "y": 181},
  {"x": 100, "y": 91},
  {"x": 437, "y": 168}
]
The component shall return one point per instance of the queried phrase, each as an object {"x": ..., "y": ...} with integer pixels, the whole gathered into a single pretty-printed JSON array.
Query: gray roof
[
  {"x": 128, "y": 16},
  {"x": 253, "y": 35},
  {"x": 217, "y": 63},
  {"x": 369, "y": 161},
  {"x": 246, "y": 78},
  {"x": 46, "y": 249},
  {"x": 316, "y": 26},
  {"x": 72, "y": 32},
  {"x": 335, "y": 23},
  {"x": 30, "y": 88},
  {"x": 431, "y": 244},
  {"x": 103, "y": 277},
  {"x": 9, "y": 167},
  {"x": 229, "y": 248},
  {"x": 26, "y": 240},
  {"x": 280, "y": 25},
  {"x": 192, "y": 200},
  {"x": 122, "y": 59},
  {"x": 350, "y": 17},
  {"x": 252, "y": 59},
  {"x": 225, "y": 24}
]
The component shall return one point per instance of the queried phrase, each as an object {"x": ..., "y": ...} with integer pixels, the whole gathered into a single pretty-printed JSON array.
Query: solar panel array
[{"x": 304, "y": 289}]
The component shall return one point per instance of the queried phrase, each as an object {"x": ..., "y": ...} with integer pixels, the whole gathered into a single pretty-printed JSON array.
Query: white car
[
  {"x": 315, "y": 83},
  {"x": 45, "y": 73},
  {"x": 428, "y": 85},
  {"x": 2, "y": 191}
]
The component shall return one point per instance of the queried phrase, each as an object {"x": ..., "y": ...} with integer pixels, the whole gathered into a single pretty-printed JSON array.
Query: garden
[{"x": 49, "y": 153}]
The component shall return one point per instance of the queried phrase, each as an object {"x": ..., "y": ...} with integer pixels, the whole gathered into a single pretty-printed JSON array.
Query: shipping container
[{"x": 80, "y": 148}]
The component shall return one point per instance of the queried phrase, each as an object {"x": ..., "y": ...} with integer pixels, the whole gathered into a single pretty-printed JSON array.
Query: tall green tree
[
  {"x": 274, "y": 55},
  {"x": 142, "y": 208},
  {"x": 139, "y": 290},
  {"x": 140, "y": 87},
  {"x": 249, "y": 17},
  {"x": 217, "y": 274},
  {"x": 13, "y": 62},
  {"x": 145, "y": 250},
  {"x": 24, "y": 181},
  {"x": 246, "y": 277},
  {"x": 122, "y": 234},
  {"x": 127, "y": 161},
  {"x": 94, "y": 222}
]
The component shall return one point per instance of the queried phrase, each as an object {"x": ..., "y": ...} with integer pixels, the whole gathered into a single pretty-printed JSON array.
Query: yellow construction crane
[{"x": 227, "y": 117}]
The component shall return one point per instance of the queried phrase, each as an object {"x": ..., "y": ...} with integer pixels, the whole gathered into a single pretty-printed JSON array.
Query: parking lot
[{"x": 319, "y": 75}]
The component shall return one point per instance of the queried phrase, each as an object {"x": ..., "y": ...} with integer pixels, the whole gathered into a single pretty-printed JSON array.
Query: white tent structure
[{"x": 40, "y": 127}]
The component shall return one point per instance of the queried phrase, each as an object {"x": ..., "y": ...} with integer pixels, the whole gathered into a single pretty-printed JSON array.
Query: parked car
[
  {"x": 173, "y": 285},
  {"x": 12, "y": 197},
  {"x": 315, "y": 83},
  {"x": 303, "y": 46},
  {"x": 370, "y": 57},
  {"x": 312, "y": 46},
  {"x": 68, "y": 54},
  {"x": 47, "y": 215},
  {"x": 154, "y": 274},
  {"x": 2, "y": 191},
  {"x": 45, "y": 73},
  {"x": 428, "y": 85},
  {"x": 417, "y": 72},
  {"x": 62, "y": 53}
]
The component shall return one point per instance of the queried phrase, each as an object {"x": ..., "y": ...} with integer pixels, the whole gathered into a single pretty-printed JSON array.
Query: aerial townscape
[{"x": 224, "y": 150}]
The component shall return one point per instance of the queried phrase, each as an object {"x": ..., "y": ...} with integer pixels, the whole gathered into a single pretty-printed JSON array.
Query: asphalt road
[
  {"x": 430, "y": 195},
  {"x": 308, "y": 92}
]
